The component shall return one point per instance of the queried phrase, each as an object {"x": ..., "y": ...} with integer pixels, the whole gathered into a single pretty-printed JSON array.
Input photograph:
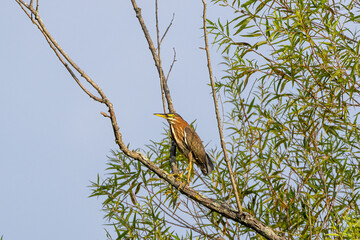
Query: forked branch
[{"x": 155, "y": 56}]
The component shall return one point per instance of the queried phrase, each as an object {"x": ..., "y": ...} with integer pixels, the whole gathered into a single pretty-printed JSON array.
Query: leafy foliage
[
  {"x": 142, "y": 206},
  {"x": 291, "y": 82},
  {"x": 294, "y": 95}
]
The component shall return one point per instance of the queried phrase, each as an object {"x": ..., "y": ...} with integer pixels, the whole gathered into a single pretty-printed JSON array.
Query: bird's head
[{"x": 171, "y": 117}]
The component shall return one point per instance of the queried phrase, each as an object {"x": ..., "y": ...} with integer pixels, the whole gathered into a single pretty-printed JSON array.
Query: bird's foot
[
  {"x": 180, "y": 178},
  {"x": 183, "y": 185},
  {"x": 177, "y": 176}
]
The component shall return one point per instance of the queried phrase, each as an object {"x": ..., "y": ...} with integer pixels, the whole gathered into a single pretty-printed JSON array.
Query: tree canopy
[{"x": 291, "y": 94}]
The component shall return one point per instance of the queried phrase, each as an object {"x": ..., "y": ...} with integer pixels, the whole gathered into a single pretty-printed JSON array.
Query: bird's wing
[{"x": 194, "y": 144}]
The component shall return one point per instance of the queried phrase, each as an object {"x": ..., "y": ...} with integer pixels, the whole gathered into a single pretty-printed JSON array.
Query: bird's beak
[{"x": 160, "y": 115}]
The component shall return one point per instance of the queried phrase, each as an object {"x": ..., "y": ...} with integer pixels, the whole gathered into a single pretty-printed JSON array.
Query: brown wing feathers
[{"x": 195, "y": 146}]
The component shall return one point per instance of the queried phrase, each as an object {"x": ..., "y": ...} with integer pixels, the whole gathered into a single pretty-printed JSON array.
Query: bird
[{"x": 188, "y": 142}]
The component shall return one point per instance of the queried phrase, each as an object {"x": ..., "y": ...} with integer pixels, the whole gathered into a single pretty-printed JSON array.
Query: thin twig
[
  {"x": 171, "y": 66},
  {"x": 222, "y": 141},
  {"x": 167, "y": 29},
  {"x": 158, "y": 53},
  {"x": 54, "y": 46},
  {"x": 157, "y": 29}
]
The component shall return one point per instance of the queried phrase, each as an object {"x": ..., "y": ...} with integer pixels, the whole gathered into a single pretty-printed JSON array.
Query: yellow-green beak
[{"x": 160, "y": 115}]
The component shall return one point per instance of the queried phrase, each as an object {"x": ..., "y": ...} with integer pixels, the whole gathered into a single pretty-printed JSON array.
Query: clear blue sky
[{"x": 53, "y": 139}]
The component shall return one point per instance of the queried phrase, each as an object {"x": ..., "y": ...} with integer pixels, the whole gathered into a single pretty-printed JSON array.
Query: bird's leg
[
  {"x": 190, "y": 168},
  {"x": 182, "y": 185}
]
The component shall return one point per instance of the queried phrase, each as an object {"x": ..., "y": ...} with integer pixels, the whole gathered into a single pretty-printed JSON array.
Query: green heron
[{"x": 188, "y": 142}]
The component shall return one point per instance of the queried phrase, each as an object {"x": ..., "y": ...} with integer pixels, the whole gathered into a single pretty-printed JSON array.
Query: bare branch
[
  {"x": 222, "y": 141},
  {"x": 171, "y": 66},
  {"x": 163, "y": 83},
  {"x": 157, "y": 28},
  {"x": 54, "y": 46},
  {"x": 155, "y": 56},
  {"x": 158, "y": 53},
  {"x": 104, "y": 114},
  {"x": 167, "y": 29},
  {"x": 67, "y": 60}
]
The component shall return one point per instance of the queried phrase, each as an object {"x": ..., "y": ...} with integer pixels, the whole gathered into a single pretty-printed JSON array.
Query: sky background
[{"x": 53, "y": 139}]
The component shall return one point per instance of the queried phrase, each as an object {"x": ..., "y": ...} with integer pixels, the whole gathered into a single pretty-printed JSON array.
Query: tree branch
[
  {"x": 163, "y": 80},
  {"x": 171, "y": 66},
  {"x": 222, "y": 141},
  {"x": 158, "y": 53},
  {"x": 155, "y": 56},
  {"x": 167, "y": 29}
]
